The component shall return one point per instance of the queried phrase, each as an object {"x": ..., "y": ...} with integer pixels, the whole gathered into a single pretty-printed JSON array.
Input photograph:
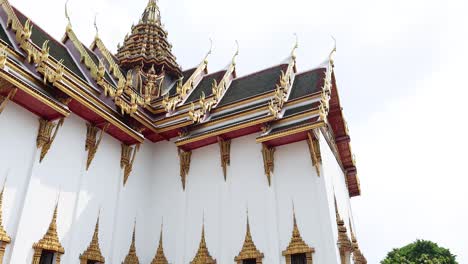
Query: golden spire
[
  {"x": 297, "y": 244},
  {"x": 4, "y": 237},
  {"x": 93, "y": 252},
  {"x": 249, "y": 250},
  {"x": 132, "y": 257},
  {"x": 203, "y": 255},
  {"x": 151, "y": 15},
  {"x": 50, "y": 241},
  {"x": 160, "y": 258}
]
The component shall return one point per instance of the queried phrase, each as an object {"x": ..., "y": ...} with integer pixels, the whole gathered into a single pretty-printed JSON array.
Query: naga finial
[
  {"x": 211, "y": 48},
  {"x": 236, "y": 54},
  {"x": 66, "y": 13},
  {"x": 332, "y": 53},
  {"x": 95, "y": 25},
  {"x": 296, "y": 45}
]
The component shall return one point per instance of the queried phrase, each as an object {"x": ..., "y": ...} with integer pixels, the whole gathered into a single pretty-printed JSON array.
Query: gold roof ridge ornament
[
  {"x": 297, "y": 245},
  {"x": 203, "y": 255},
  {"x": 4, "y": 237},
  {"x": 132, "y": 257},
  {"x": 284, "y": 87},
  {"x": 160, "y": 258},
  {"x": 249, "y": 250},
  {"x": 50, "y": 241},
  {"x": 183, "y": 89},
  {"x": 93, "y": 252}
]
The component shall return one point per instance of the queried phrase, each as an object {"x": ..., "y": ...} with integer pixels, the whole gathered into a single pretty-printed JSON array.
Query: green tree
[{"x": 420, "y": 252}]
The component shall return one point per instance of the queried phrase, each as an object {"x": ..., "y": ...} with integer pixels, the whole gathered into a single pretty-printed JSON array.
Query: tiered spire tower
[{"x": 147, "y": 45}]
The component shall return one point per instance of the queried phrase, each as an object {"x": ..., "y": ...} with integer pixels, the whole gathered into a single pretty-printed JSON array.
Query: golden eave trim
[
  {"x": 225, "y": 130},
  {"x": 31, "y": 91},
  {"x": 290, "y": 132}
]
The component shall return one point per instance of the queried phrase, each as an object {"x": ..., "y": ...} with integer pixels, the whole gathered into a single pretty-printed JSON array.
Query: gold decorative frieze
[
  {"x": 127, "y": 159},
  {"x": 50, "y": 242},
  {"x": 4, "y": 237},
  {"x": 3, "y": 56},
  {"x": 344, "y": 244},
  {"x": 5, "y": 99},
  {"x": 358, "y": 257},
  {"x": 184, "y": 158},
  {"x": 160, "y": 258},
  {"x": 268, "y": 161},
  {"x": 132, "y": 257},
  {"x": 314, "y": 149},
  {"x": 249, "y": 250},
  {"x": 45, "y": 138},
  {"x": 92, "y": 143},
  {"x": 297, "y": 245},
  {"x": 225, "y": 149},
  {"x": 203, "y": 255},
  {"x": 93, "y": 252}
]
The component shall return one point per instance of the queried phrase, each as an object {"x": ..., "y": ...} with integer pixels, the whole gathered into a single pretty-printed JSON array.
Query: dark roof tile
[
  {"x": 252, "y": 85},
  {"x": 205, "y": 86},
  {"x": 307, "y": 83}
]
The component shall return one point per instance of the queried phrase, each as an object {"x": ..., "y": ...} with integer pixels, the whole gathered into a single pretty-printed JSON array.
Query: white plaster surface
[{"x": 154, "y": 196}]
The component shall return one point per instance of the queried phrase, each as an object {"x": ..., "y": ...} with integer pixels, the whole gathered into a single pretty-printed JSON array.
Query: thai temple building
[{"x": 128, "y": 158}]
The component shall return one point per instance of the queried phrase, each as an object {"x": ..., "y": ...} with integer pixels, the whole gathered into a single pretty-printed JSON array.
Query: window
[
  {"x": 249, "y": 261},
  {"x": 47, "y": 257},
  {"x": 298, "y": 258}
]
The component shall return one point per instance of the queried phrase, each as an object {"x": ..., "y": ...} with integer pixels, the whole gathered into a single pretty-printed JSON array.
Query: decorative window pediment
[
  {"x": 297, "y": 246},
  {"x": 50, "y": 243},
  {"x": 249, "y": 252},
  {"x": 93, "y": 252},
  {"x": 160, "y": 258},
  {"x": 132, "y": 257},
  {"x": 344, "y": 244},
  {"x": 203, "y": 255},
  {"x": 4, "y": 237}
]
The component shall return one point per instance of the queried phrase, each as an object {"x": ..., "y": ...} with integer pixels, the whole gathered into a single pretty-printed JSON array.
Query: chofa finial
[
  {"x": 296, "y": 45},
  {"x": 332, "y": 53},
  {"x": 95, "y": 25},
  {"x": 236, "y": 54},
  {"x": 66, "y": 13}
]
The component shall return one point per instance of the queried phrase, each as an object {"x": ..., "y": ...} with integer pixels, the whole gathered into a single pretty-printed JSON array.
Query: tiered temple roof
[{"x": 141, "y": 92}]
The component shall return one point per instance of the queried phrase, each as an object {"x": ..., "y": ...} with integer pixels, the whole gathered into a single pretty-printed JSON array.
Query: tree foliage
[{"x": 420, "y": 252}]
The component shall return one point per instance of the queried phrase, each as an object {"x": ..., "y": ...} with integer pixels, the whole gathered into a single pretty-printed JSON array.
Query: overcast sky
[{"x": 401, "y": 71}]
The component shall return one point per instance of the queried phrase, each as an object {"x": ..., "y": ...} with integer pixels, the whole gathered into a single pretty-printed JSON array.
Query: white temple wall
[
  {"x": 18, "y": 130},
  {"x": 134, "y": 205},
  {"x": 99, "y": 189},
  {"x": 249, "y": 187},
  {"x": 59, "y": 172},
  {"x": 153, "y": 194},
  {"x": 335, "y": 186},
  {"x": 297, "y": 180},
  {"x": 167, "y": 202}
]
